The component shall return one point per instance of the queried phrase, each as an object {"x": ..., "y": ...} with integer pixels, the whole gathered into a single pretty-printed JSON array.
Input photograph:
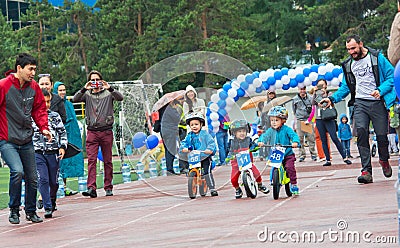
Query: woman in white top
[{"x": 192, "y": 103}]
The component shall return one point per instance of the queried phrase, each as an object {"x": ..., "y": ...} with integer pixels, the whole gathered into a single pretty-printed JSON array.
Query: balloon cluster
[
  {"x": 140, "y": 139},
  {"x": 245, "y": 85}
]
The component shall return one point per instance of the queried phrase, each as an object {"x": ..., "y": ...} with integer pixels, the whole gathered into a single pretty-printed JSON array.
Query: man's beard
[{"x": 359, "y": 55}]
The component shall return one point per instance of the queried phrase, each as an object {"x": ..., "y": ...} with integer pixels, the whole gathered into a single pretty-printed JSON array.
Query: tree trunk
[
  {"x": 81, "y": 42},
  {"x": 39, "y": 44}
]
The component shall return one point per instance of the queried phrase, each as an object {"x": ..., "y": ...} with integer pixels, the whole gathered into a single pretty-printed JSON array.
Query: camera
[
  {"x": 320, "y": 87},
  {"x": 96, "y": 84}
]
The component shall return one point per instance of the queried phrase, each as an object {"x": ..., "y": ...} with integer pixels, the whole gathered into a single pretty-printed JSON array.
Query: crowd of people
[{"x": 35, "y": 138}]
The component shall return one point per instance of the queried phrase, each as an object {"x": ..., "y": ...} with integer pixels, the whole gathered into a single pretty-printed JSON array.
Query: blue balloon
[
  {"x": 236, "y": 98},
  {"x": 397, "y": 79},
  {"x": 222, "y": 112},
  {"x": 223, "y": 95},
  {"x": 293, "y": 83},
  {"x": 226, "y": 86},
  {"x": 209, "y": 103},
  {"x": 249, "y": 79},
  {"x": 284, "y": 71},
  {"x": 336, "y": 72},
  {"x": 240, "y": 93},
  {"x": 328, "y": 76},
  {"x": 277, "y": 75},
  {"x": 152, "y": 141},
  {"x": 286, "y": 86},
  {"x": 259, "y": 89},
  {"x": 139, "y": 139},
  {"x": 254, "y": 128},
  {"x": 300, "y": 78},
  {"x": 314, "y": 68},
  {"x": 271, "y": 80},
  {"x": 100, "y": 155},
  {"x": 265, "y": 85},
  {"x": 306, "y": 72},
  {"x": 208, "y": 112},
  {"x": 256, "y": 74},
  {"x": 244, "y": 85},
  {"x": 314, "y": 82},
  {"x": 221, "y": 104}
]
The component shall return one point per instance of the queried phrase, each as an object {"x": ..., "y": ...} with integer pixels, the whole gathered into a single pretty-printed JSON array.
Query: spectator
[
  {"x": 302, "y": 108},
  {"x": 394, "y": 41},
  {"x": 344, "y": 134},
  {"x": 57, "y": 104},
  {"x": 74, "y": 166},
  {"x": 368, "y": 77},
  {"x": 21, "y": 95},
  {"x": 99, "y": 98}
]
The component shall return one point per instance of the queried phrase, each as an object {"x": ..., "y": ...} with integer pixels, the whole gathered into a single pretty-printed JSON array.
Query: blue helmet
[
  {"x": 195, "y": 116},
  {"x": 239, "y": 124},
  {"x": 278, "y": 111}
]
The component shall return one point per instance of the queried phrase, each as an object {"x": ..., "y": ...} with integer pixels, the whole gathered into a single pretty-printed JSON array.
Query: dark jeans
[
  {"x": 330, "y": 127},
  {"x": 346, "y": 147},
  {"x": 104, "y": 140},
  {"x": 206, "y": 165},
  {"x": 366, "y": 111},
  {"x": 222, "y": 141},
  {"x": 21, "y": 161},
  {"x": 48, "y": 171}
]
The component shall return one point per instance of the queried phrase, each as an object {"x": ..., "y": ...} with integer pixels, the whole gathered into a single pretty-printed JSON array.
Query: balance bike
[
  {"x": 195, "y": 175},
  {"x": 278, "y": 174},
  {"x": 246, "y": 174}
]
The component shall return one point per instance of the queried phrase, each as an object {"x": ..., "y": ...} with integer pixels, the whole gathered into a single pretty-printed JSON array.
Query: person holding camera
[
  {"x": 99, "y": 98},
  {"x": 302, "y": 108}
]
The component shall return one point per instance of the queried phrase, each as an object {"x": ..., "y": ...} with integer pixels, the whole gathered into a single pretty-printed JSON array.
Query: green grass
[{"x": 71, "y": 182}]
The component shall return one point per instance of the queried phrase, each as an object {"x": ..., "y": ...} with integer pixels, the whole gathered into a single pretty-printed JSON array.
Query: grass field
[{"x": 71, "y": 182}]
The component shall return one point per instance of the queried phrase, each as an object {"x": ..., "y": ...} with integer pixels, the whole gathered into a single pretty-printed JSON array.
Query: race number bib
[
  {"x": 243, "y": 160},
  {"x": 194, "y": 159},
  {"x": 276, "y": 157}
]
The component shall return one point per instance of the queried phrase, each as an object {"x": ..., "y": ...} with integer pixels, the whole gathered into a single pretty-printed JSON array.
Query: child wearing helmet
[
  {"x": 241, "y": 142},
  {"x": 198, "y": 139},
  {"x": 281, "y": 134}
]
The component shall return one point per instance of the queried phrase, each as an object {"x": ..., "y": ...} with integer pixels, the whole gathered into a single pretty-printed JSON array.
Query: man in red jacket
[{"x": 21, "y": 100}]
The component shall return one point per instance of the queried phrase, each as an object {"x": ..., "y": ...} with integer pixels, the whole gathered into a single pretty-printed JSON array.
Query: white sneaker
[{"x": 321, "y": 160}]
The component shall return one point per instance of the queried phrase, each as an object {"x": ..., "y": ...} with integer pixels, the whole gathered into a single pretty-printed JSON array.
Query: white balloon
[
  {"x": 313, "y": 76},
  {"x": 335, "y": 82},
  {"x": 329, "y": 67},
  {"x": 278, "y": 84},
  {"x": 251, "y": 89},
  {"x": 232, "y": 93},
  {"x": 257, "y": 82},
  {"x": 340, "y": 77},
  {"x": 291, "y": 73},
  {"x": 235, "y": 85},
  {"x": 272, "y": 88},
  {"x": 285, "y": 79},
  {"x": 214, "y": 107},
  {"x": 307, "y": 81},
  {"x": 214, "y": 116},
  {"x": 240, "y": 78},
  {"x": 219, "y": 91},
  {"x": 228, "y": 108},
  {"x": 322, "y": 70},
  {"x": 229, "y": 101},
  {"x": 215, "y": 98},
  {"x": 215, "y": 123},
  {"x": 298, "y": 70},
  {"x": 215, "y": 129},
  {"x": 270, "y": 73},
  {"x": 300, "y": 85},
  {"x": 263, "y": 76}
]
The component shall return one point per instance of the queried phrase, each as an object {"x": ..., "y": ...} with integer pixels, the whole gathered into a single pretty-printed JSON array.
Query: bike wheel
[
  {"x": 249, "y": 185},
  {"x": 287, "y": 189},
  {"x": 373, "y": 150},
  {"x": 276, "y": 184},
  {"x": 203, "y": 187},
  {"x": 192, "y": 184}
]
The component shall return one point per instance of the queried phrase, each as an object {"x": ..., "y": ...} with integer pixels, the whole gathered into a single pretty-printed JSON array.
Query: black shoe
[
  {"x": 214, "y": 192},
  {"x": 238, "y": 193},
  {"x": 53, "y": 205},
  {"x": 39, "y": 204},
  {"x": 263, "y": 188},
  {"x": 14, "y": 216},
  {"x": 347, "y": 161},
  {"x": 90, "y": 192},
  {"x": 33, "y": 217},
  {"x": 48, "y": 213},
  {"x": 109, "y": 192},
  {"x": 327, "y": 163},
  {"x": 302, "y": 159},
  {"x": 69, "y": 192}
]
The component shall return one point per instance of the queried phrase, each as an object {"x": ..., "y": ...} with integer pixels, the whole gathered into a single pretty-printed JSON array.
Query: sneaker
[
  {"x": 386, "y": 168},
  {"x": 294, "y": 189},
  {"x": 109, "y": 192},
  {"x": 214, "y": 192},
  {"x": 365, "y": 177},
  {"x": 48, "y": 213},
  {"x": 69, "y": 192},
  {"x": 39, "y": 204},
  {"x": 53, "y": 205},
  {"x": 238, "y": 193},
  {"x": 263, "y": 189},
  {"x": 33, "y": 217},
  {"x": 347, "y": 161},
  {"x": 13, "y": 218},
  {"x": 301, "y": 159},
  {"x": 321, "y": 160},
  {"x": 91, "y": 192},
  {"x": 327, "y": 163},
  {"x": 314, "y": 158}
]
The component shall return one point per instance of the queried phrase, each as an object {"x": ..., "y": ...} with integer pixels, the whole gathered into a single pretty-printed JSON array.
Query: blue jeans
[
  {"x": 21, "y": 161},
  {"x": 48, "y": 171},
  {"x": 346, "y": 147},
  {"x": 222, "y": 142},
  {"x": 329, "y": 127}
]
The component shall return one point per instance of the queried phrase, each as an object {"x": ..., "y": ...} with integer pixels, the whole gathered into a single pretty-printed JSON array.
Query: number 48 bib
[{"x": 276, "y": 157}]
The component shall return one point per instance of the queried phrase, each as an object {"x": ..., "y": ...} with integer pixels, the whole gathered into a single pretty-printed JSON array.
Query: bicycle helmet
[
  {"x": 239, "y": 124},
  {"x": 278, "y": 111},
  {"x": 195, "y": 116}
]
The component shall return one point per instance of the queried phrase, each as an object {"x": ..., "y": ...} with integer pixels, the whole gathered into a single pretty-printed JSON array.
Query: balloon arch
[{"x": 245, "y": 85}]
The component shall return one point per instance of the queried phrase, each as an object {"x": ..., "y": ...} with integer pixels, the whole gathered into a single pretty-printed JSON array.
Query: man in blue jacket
[{"x": 368, "y": 77}]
